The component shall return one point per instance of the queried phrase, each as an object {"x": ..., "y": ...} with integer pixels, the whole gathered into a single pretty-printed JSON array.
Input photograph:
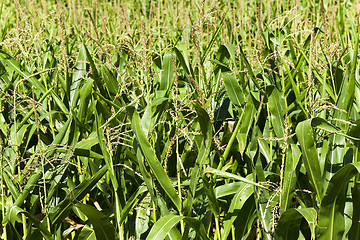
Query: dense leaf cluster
[{"x": 144, "y": 119}]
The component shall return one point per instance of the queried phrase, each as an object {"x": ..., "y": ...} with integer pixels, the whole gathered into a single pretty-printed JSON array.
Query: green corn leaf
[
  {"x": 213, "y": 38},
  {"x": 303, "y": 57},
  {"x": 182, "y": 56},
  {"x": 60, "y": 103},
  {"x": 304, "y": 133},
  {"x": 59, "y": 137},
  {"x": 163, "y": 226},
  {"x": 249, "y": 115},
  {"x": 87, "y": 143},
  {"x": 213, "y": 203},
  {"x": 10, "y": 184},
  {"x": 168, "y": 72},
  {"x": 112, "y": 85},
  {"x": 289, "y": 223},
  {"x": 80, "y": 71},
  {"x": 223, "y": 65},
  {"x": 87, "y": 153},
  {"x": 243, "y": 194},
  {"x": 322, "y": 124},
  {"x": 151, "y": 158},
  {"x": 293, "y": 155},
  {"x": 15, "y": 66},
  {"x": 13, "y": 215},
  {"x": 331, "y": 216},
  {"x": 251, "y": 73},
  {"x": 276, "y": 106},
  {"x": 58, "y": 213},
  {"x": 206, "y": 130},
  {"x": 233, "y": 89},
  {"x": 31, "y": 112},
  {"x": 146, "y": 175},
  {"x": 233, "y": 176},
  {"x": 102, "y": 226},
  {"x": 87, "y": 233},
  {"x": 264, "y": 149},
  {"x": 354, "y": 232},
  {"x": 345, "y": 102},
  {"x": 174, "y": 234},
  {"x": 95, "y": 74},
  {"x": 84, "y": 92},
  {"x": 227, "y": 189},
  {"x": 106, "y": 154},
  {"x": 30, "y": 185},
  {"x": 131, "y": 202}
]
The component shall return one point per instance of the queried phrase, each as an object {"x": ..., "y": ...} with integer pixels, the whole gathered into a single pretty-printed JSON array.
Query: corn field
[{"x": 175, "y": 120}]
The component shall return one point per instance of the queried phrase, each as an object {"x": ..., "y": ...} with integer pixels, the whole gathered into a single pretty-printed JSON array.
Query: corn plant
[{"x": 179, "y": 120}]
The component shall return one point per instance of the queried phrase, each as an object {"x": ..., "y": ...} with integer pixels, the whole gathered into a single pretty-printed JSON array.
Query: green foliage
[{"x": 179, "y": 120}]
